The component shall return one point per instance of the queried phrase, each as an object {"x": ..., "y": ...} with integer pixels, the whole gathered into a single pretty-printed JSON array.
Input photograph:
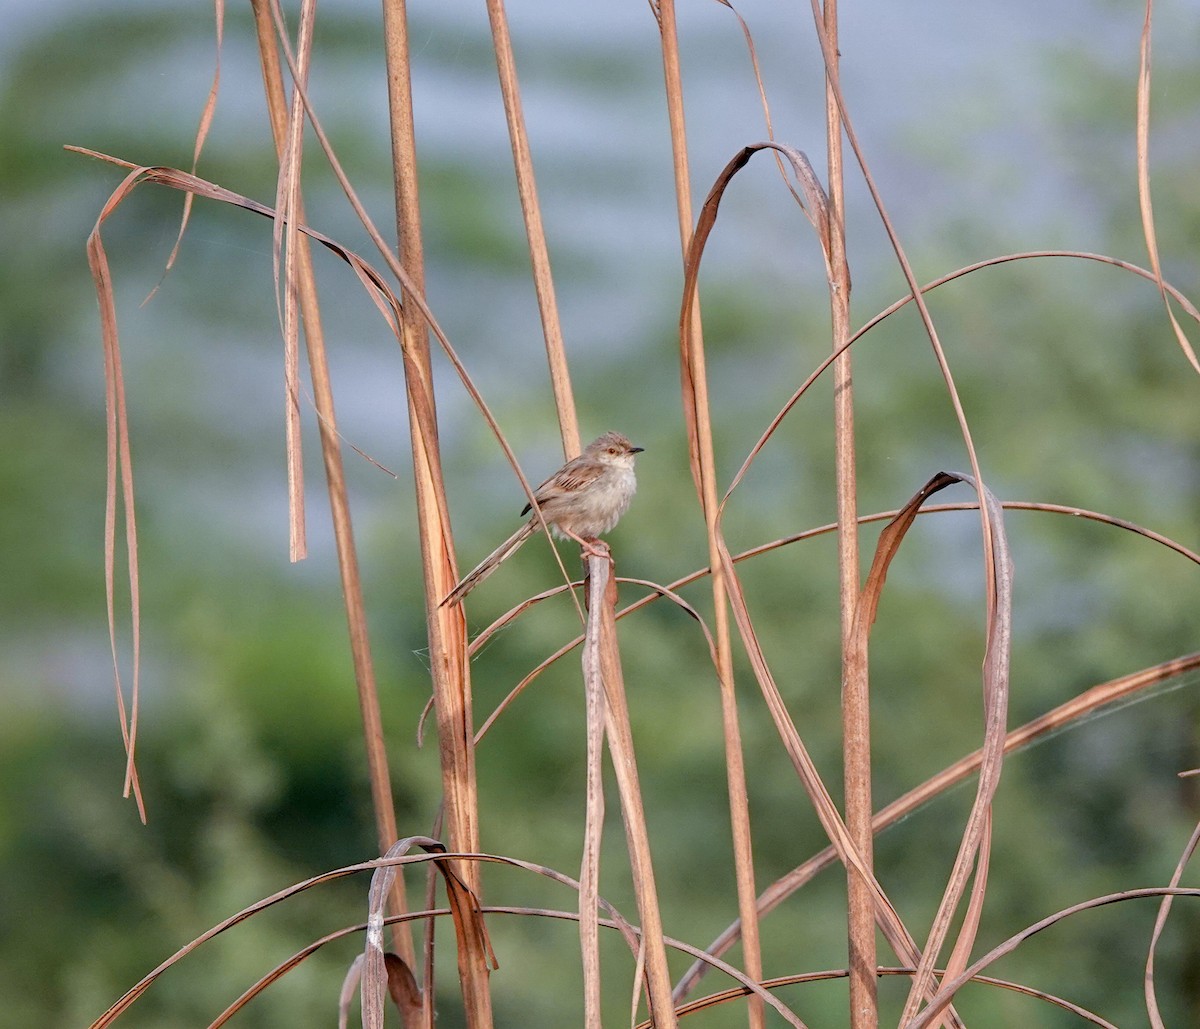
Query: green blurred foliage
[{"x": 249, "y": 748}]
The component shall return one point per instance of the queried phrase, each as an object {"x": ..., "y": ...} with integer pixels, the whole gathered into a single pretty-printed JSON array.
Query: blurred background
[{"x": 990, "y": 129}]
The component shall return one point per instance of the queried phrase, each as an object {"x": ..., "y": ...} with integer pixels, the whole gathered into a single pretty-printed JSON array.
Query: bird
[{"x": 583, "y": 500}]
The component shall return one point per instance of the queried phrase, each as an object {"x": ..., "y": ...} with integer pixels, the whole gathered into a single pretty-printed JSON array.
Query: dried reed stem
[
  {"x": 447, "y": 630},
  {"x": 856, "y": 706},
  {"x": 364, "y": 671},
  {"x": 589, "y": 874},
  {"x": 602, "y": 592},
  {"x": 539, "y": 254},
  {"x": 700, "y": 445}
]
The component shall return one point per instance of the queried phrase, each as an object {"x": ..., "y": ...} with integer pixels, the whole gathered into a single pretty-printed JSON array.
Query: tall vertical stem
[
  {"x": 704, "y": 469},
  {"x": 447, "y": 630},
  {"x": 856, "y": 712},
  {"x": 339, "y": 504}
]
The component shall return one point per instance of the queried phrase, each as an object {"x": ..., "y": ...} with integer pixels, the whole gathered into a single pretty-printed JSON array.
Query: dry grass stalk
[
  {"x": 602, "y": 592},
  {"x": 305, "y": 288},
  {"x": 380, "y": 978},
  {"x": 447, "y": 629},
  {"x": 1145, "y": 205},
  {"x": 539, "y": 254},
  {"x": 856, "y": 697},
  {"x": 589, "y": 874},
  {"x": 1160, "y": 923},
  {"x": 698, "y": 425}
]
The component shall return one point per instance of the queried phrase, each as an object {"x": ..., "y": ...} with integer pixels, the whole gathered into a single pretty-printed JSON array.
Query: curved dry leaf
[
  {"x": 1082, "y": 255},
  {"x": 1160, "y": 923},
  {"x": 346, "y": 995},
  {"x": 469, "y": 927},
  {"x": 950, "y": 987},
  {"x": 777, "y": 982},
  {"x": 1143, "y": 175},
  {"x": 1086, "y": 704},
  {"x": 997, "y": 657}
]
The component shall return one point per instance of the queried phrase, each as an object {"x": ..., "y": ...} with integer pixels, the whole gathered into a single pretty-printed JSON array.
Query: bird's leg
[{"x": 592, "y": 547}]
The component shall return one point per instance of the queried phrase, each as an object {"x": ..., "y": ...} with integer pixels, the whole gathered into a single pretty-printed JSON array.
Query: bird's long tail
[{"x": 489, "y": 564}]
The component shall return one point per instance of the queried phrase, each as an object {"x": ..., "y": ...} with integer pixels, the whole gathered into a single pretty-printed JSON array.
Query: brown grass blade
[
  {"x": 469, "y": 926},
  {"x": 700, "y": 447},
  {"x": 776, "y": 982},
  {"x": 289, "y": 204},
  {"x": 543, "y": 280},
  {"x": 1160, "y": 923},
  {"x": 829, "y": 52},
  {"x": 119, "y": 444},
  {"x": 204, "y": 126},
  {"x": 433, "y": 855},
  {"x": 836, "y": 99},
  {"x": 995, "y": 686},
  {"x": 119, "y": 465},
  {"x": 991, "y": 262},
  {"x": 700, "y": 442},
  {"x": 886, "y": 916},
  {"x": 202, "y": 130},
  {"x": 1082, "y": 255},
  {"x": 752, "y": 52},
  {"x": 810, "y": 778},
  {"x": 339, "y": 502},
  {"x": 698, "y": 425},
  {"x": 1143, "y": 173},
  {"x": 377, "y": 289},
  {"x": 856, "y": 696},
  {"x": 960, "y": 956},
  {"x": 406, "y": 994},
  {"x": 950, "y": 987},
  {"x": 815, "y": 207},
  {"x": 566, "y": 648},
  {"x": 1114, "y": 692},
  {"x": 345, "y": 997},
  {"x": 658, "y": 590},
  {"x": 615, "y": 921},
  {"x": 446, "y": 627}
]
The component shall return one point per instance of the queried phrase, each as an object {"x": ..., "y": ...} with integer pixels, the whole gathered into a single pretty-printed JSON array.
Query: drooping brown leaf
[
  {"x": 972, "y": 860},
  {"x": 1145, "y": 204},
  {"x": 403, "y": 989},
  {"x": 119, "y": 466},
  {"x": 469, "y": 928}
]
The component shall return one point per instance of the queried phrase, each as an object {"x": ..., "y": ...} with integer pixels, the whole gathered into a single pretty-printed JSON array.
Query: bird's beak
[{"x": 636, "y": 450}]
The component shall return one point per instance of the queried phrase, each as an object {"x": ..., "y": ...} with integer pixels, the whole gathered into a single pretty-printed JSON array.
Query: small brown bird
[{"x": 584, "y": 499}]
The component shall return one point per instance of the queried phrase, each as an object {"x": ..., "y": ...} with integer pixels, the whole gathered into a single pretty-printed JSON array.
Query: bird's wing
[{"x": 569, "y": 479}]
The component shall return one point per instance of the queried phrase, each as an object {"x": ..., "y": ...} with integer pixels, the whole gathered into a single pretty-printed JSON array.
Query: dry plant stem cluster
[
  {"x": 351, "y": 580},
  {"x": 183, "y": 181},
  {"x": 816, "y": 208},
  {"x": 932, "y": 990},
  {"x": 447, "y": 635}
]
